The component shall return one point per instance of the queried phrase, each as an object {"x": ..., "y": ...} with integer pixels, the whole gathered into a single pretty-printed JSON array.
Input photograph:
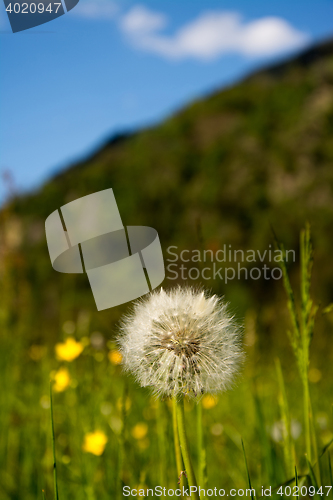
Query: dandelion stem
[
  {"x": 185, "y": 449},
  {"x": 56, "y": 496},
  {"x": 178, "y": 453},
  {"x": 161, "y": 442},
  {"x": 121, "y": 449},
  {"x": 200, "y": 449}
]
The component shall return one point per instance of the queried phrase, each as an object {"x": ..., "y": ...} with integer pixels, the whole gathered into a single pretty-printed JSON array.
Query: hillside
[{"x": 223, "y": 170}]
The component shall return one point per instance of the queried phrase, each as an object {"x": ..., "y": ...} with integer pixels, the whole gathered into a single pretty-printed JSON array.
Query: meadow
[
  {"x": 225, "y": 170},
  {"x": 109, "y": 432}
]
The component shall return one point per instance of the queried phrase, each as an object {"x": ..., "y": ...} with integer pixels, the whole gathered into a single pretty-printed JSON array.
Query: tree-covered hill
[{"x": 226, "y": 169}]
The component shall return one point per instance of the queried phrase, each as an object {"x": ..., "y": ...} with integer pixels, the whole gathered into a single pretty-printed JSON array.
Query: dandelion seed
[
  {"x": 181, "y": 341},
  {"x": 95, "y": 442},
  {"x": 69, "y": 350}
]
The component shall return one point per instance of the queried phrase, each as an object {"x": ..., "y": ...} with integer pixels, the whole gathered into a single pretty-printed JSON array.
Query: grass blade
[
  {"x": 56, "y": 495},
  {"x": 264, "y": 440},
  {"x": 296, "y": 482},
  {"x": 247, "y": 472},
  {"x": 326, "y": 448},
  {"x": 313, "y": 479},
  {"x": 288, "y": 447}
]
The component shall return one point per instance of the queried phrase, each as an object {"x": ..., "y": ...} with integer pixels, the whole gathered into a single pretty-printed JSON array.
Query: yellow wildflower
[
  {"x": 61, "y": 380},
  {"x": 140, "y": 430},
  {"x": 115, "y": 357},
  {"x": 94, "y": 442},
  {"x": 209, "y": 402},
  {"x": 69, "y": 350}
]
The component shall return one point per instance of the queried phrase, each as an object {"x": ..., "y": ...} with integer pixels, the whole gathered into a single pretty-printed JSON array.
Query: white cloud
[
  {"x": 139, "y": 21},
  {"x": 96, "y": 9},
  {"x": 211, "y": 35}
]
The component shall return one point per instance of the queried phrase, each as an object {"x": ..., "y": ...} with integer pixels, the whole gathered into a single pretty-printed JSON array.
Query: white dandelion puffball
[{"x": 181, "y": 341}]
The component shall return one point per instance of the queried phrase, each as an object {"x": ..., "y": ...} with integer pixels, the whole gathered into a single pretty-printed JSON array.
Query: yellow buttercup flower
[
  {"x": 115, "y": 357},
  {"x": 140, "y": 430},
  {"x": 61, "y": 380},
  {"x": 209, "y": 402},
  {"x": 69, "y": 350},
  {"x": 94, "y": 442}
]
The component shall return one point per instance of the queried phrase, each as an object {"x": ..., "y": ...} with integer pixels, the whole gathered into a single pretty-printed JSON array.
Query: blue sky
[{"x": 109, "y": 66}]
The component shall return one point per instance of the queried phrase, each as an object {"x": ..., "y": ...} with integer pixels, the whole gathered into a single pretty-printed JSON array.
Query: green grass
[
  {"x": 263, "y": 414},
  {"x": 222, "y": 167}
]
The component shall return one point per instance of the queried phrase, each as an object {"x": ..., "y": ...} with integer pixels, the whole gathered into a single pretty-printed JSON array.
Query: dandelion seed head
[{"x": 181, "y": 341}]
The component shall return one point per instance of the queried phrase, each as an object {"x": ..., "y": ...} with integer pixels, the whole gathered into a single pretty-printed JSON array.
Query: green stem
[
  {"x": 178, "y": 453},
  {"x": 200, "y": 451},
  {"x": 121, "y": 449},
  {"x": 56, "y": 496},
  {"x": 185, "y": 450},
  {"x": 313, "y": 439},
  {"x": 306, "y": 398},
  {"x": 161, "y": 443}
]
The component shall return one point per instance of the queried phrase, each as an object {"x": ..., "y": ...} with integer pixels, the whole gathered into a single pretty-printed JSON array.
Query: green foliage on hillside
[{"x": 223, "y": 170}]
